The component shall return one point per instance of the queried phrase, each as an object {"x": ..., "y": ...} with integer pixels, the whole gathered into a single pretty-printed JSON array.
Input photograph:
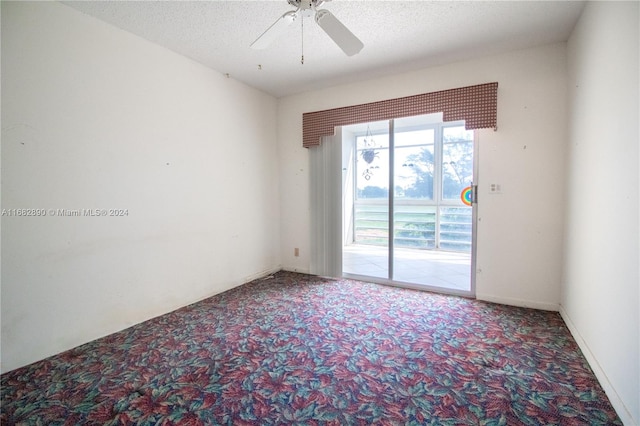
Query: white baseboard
[
  {"x": 262, "y": 274},
  {"x": 545, "y": 306},
  {"x": 613, "y": 396},
  {"x": 299, "y": 270}
]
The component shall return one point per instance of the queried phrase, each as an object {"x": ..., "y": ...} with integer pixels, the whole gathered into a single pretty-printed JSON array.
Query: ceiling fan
[{"x": 349, "y": 43}]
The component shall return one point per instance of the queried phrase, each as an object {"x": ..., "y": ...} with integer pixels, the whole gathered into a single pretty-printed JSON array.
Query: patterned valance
[{"x": 476, "y": 105}]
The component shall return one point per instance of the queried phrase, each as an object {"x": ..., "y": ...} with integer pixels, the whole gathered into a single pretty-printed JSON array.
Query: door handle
[{"x": 474, "y": 193}]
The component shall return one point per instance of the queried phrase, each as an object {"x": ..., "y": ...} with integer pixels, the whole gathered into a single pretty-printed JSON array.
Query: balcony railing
[{"x": 415, "y": 226}]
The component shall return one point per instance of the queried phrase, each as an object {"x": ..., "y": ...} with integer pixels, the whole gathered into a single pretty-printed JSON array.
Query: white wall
[
  {"x": 94, "y": 117},
  {"x": 600, "y": 299},
  {"x": 520, "y": 231}
]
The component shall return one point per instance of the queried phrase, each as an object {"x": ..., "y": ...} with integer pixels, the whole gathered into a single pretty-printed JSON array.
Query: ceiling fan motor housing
[
  {"x": 336, "y": 30},
  {"x": 305, "y": 4}
]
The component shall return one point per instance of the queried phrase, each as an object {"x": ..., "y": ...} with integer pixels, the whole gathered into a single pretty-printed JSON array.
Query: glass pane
[
  {"x": 368, "y": 253},
  {"x": 457, "y": 161}
]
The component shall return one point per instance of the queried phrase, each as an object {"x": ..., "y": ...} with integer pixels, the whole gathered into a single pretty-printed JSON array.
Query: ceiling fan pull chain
[{"x": 302, "y": 38}]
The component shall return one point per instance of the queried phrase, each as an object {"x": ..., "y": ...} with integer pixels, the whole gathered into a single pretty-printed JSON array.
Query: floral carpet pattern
[{"x": 298, "y": 349}]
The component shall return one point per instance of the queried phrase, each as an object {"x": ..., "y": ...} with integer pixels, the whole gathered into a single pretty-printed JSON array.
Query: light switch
[{"x": 495, "y": 188}]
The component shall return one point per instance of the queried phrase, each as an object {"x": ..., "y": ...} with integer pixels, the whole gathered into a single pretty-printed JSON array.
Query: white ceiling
[{"x": 398, "y": 36}]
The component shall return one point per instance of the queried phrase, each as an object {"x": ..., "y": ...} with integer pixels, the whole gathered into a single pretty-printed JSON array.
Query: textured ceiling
[{"x": 398, "y": 36}]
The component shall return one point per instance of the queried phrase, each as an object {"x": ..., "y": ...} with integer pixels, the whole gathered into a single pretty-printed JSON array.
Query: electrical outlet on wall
[{"x": 296, "y": 252}]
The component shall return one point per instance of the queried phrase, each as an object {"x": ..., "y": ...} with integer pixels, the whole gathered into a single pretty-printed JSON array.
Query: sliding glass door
[{"x": 411, "y": 222}]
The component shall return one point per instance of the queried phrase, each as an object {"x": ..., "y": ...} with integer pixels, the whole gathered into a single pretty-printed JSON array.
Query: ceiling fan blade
[
  {"x": 275, "y": 31},
  {"x": 349, "y": 43}
]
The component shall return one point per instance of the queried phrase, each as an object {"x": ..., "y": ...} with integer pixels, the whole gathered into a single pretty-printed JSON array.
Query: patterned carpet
[{"x": 297, "y": 349}]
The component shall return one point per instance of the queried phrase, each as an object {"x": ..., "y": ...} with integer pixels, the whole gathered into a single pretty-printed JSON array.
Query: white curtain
[{"x": 326, "y": 179}]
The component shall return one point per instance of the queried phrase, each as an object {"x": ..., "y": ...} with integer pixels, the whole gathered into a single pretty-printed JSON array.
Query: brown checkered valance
[{"x": 477, "y": 105}]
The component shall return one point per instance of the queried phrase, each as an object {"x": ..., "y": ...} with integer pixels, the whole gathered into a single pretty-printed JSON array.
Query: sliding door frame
[
  {"x": 391, "y": 199},
  {"x": 391, "y": 211}
]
